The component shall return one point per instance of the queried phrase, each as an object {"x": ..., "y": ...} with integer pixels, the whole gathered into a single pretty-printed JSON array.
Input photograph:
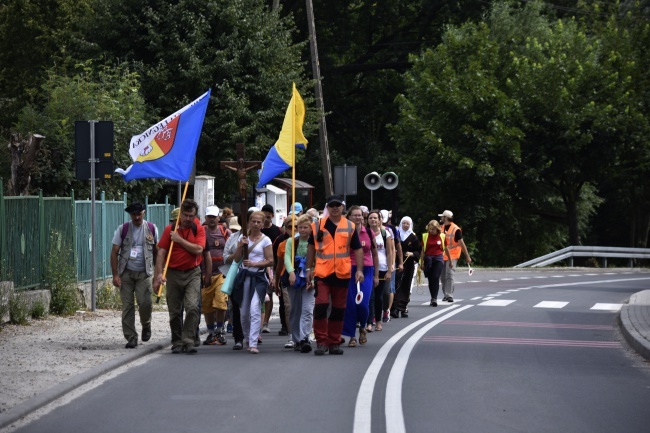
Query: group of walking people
[{"x": 339, "y": 274}]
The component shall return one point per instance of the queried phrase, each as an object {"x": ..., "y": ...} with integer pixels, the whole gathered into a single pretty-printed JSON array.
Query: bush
[
  {"x": 38, "y": 309},
  {"x": 60, "y": 276},
  {"x": 108, "y": 297},
  {"x": 19, "y": 309}
]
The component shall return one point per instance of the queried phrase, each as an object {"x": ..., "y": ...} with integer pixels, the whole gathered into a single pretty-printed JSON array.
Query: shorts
[{"x": 212, "y": 298}]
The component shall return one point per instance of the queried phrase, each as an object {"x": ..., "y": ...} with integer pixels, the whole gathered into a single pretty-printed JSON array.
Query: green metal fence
[{"x": 34, "y": 227}]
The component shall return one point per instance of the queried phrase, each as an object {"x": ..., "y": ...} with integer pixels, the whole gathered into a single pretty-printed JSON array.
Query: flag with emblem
[{"x": 167, "y": 149}]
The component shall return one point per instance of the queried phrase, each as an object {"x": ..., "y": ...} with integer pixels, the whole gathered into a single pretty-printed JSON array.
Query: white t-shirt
[
  {"x": 257, "y": 253},
  {"x": 381, "y": 250}
]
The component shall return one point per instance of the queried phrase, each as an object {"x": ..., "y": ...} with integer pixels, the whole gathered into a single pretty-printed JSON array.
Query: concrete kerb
[
  {"x": 25, "y": 408},
  {"x": 634, "y": 321}
]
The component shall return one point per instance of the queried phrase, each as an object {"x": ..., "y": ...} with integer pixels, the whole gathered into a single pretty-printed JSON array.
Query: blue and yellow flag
[
  {"x": 282, "y": 156},
  {"x": 167, "y": 149}
]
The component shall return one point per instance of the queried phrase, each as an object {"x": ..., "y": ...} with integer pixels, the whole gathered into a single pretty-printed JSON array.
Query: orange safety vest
[
  {"x": 333, "y": 254},
  {"x": 452, "y": 245}
]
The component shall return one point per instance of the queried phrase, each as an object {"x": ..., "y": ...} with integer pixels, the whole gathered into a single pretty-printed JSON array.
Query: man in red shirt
[{"x": 183, "y": 275}]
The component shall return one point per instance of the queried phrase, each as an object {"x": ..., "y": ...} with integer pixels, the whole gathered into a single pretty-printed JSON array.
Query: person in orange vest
[
  {"x": 455, "y": 243},
  {"x": 328, "y": 262}
]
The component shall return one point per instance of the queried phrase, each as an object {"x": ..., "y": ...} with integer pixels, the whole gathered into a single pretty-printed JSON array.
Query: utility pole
[{"x": 322, "y": 127}]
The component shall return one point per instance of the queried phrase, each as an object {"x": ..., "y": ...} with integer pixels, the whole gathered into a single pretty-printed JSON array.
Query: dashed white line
[
  {"x": 498, "y": 302},
  {"x": 551, "y": 304},
  {"x": 608, "y": 307},
  {"x": 475, "y": 298}
]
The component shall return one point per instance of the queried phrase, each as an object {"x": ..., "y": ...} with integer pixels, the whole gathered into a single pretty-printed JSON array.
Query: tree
[
  {"x": 110, "y": 94},
  {"x": 239, "y": 48},
  {"x": 518, "y": 112}
]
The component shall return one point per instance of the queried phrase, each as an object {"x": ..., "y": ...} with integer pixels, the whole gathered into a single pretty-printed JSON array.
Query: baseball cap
[
  {"x": 253, "y": 209},
  {"x": 135, "y": 207},
  {"x": 174, "y": 214},
  {"x": 334, "y": 199},
  {"x": 447, "y": 213},
  {"x": 296, "y": 208},
  {"x": 212, "y": 211},
  {"x": 364, "y": 209},
  {"x": 384, "y": 215}
]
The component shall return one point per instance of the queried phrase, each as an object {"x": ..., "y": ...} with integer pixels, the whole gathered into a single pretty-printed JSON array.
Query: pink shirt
[{"x": 366, "y": 244}]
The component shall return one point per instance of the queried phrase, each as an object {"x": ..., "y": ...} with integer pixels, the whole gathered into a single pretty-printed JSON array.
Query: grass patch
[{"x": 108, "y": 297}]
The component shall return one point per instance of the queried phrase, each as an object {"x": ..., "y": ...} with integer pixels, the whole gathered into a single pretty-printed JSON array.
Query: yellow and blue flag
[
  {"x": 167, "y": 149},
  {"x": 282, "y": 156}
]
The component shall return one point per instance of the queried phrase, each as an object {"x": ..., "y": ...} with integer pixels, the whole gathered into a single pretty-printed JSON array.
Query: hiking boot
[
  {"x": 197, "y": 340},
  {"x": 321, "y": 349},
  {"x": 305, "y": 346},
  {"x": 146, "y": 333},
  {"x": 298, "y": 347},
  {"x": 405, "y": 314},
  {"x": 283, "y": 332},
  {"x": 238, "y": 345},
  {"x": 220, "y": 339},
  {"x": 176, "y": 349},
  {"x": 336, "y": 350},
  {"x": 210, "y": 340},
  {"x": 132, "y": 343},
  {"x": 189, "y": 349}
]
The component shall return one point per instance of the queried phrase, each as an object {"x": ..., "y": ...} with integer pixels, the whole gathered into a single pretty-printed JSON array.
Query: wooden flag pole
[
  {"x": 293, "y": 172},
  {"x": 171, "y": 246}
]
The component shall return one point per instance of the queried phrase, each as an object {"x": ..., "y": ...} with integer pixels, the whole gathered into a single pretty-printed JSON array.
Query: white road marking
[
  {"x": 493, "y": 281},
  {"x": 395, "y": 416},
  {"x": 476, "y": 298},
  {"x": 590, "y": 275},
  {"x": 488, "y": 298},
  {"x": 540, "y": 278},
  {"x": 498, "y": 302},
  {"x": 494, "y": 295},
  {"x": 608, "y": 307},
  {"x": 363, "y": 408},
  {"x": 551, "y": 304},
  {"x": 524, "y": 278},
  {"x": 512, "y": 290},
  {"x": 507, "y": 279},
  {"x": 574, "y": 275},
  {"x": 557, "y": 276},
  {"x": 502, "y": 293},
  {"x": 474, "y": 281}
]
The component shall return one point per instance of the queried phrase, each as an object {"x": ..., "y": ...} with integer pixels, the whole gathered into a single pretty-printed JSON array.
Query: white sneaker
[
  {"x": 265, "y": 329},
  {"x": 289, "y": 344}
]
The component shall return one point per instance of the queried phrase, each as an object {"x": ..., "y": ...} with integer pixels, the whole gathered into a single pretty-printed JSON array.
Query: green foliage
[
  {"x": 19, "y": 311},
  {"x": 108, "y": 297},
  {"x": 39, "y": 310},
  {"x": 91, "y": 92},
  {"x": 240, "y": 49},
  {"x": 513, "y": 123},
  {"x": 60, "y": 277}
]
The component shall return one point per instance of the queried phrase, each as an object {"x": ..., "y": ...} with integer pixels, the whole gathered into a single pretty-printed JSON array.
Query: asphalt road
[{"x": 531, "y": 351}]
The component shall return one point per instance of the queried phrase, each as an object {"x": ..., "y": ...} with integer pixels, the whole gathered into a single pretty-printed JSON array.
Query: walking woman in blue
[{"x": 358, "y": 313}]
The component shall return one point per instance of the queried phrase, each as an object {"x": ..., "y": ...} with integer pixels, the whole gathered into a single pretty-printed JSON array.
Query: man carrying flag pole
[{"x": 167, "y": 150}]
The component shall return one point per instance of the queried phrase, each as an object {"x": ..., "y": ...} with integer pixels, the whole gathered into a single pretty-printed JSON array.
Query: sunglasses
[{"x": 335, "y": 205}]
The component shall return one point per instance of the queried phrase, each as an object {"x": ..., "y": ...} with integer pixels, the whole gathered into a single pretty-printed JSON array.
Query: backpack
[{"x": 125, "y": 229}]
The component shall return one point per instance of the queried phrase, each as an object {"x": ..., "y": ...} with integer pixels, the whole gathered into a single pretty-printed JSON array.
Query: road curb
[
  {"x": 25, "y": 408},
  {"x": 634, "y": 321}
]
